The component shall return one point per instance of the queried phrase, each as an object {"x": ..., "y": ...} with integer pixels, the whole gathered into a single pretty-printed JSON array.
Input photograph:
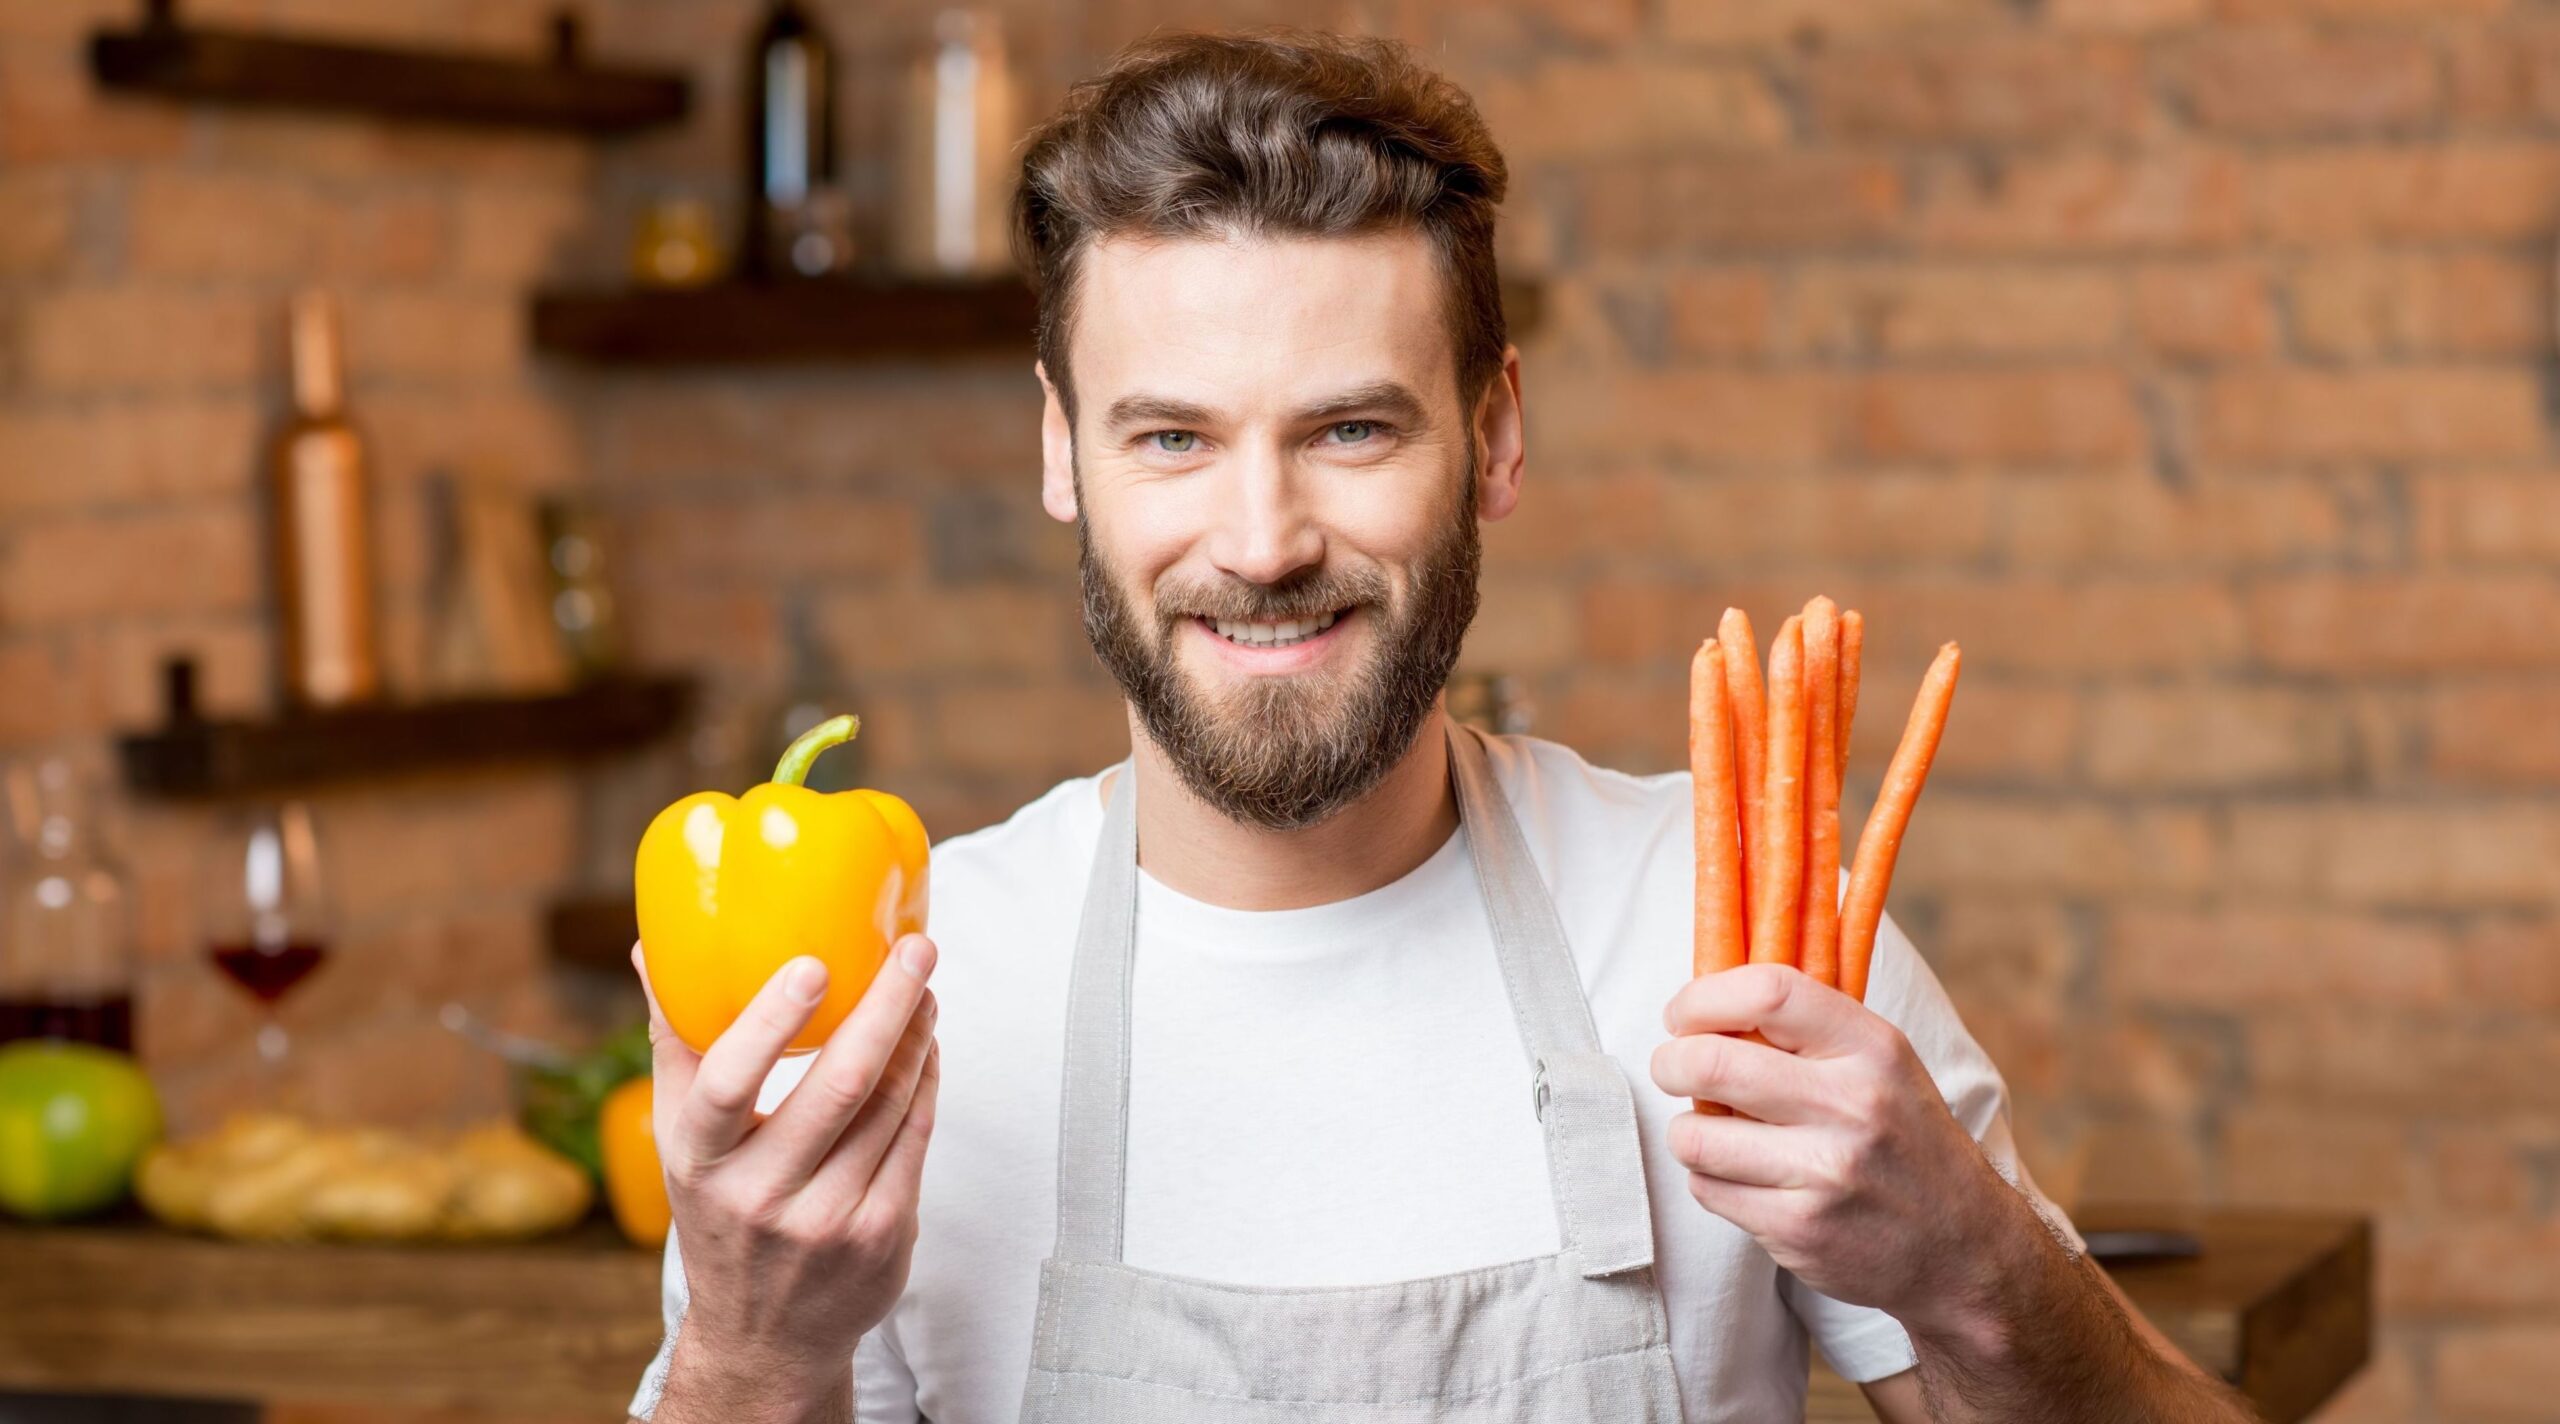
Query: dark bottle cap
[{"x": 178, "y": 688}]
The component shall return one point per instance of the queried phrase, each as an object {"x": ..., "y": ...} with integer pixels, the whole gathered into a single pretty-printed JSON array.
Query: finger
[
  {"x": 899, "y": 1180},
  {"x": 718, "y": 1112},
  {"x": 851, "y": 1065},
  {"x": 1750, "y": 1078},
  {"x": 1740, "y": 1150},
  {"x": 849, "y": 1163},
  {"x": 1792, "y": 1011},
  {"x": 672, "y": 1062},
  {"x": 1755, "y": 1209}
]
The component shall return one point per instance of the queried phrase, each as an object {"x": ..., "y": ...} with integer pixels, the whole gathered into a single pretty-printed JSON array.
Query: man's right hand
[{"x": 798, "y": 1226}]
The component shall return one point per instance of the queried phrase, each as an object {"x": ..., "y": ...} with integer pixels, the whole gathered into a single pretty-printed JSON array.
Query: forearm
[
  {"x": 708, "y": 1386},
  {"x": 2046, "y": 1341}
]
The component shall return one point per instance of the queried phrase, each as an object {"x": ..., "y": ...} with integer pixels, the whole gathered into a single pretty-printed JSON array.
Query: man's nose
[{"x": 1265, "y": 531}]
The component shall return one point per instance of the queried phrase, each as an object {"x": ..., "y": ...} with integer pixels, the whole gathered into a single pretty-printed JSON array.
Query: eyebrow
[
  {"x": 1389, "y": 398},
  {"x": 1156, "y": 410}
]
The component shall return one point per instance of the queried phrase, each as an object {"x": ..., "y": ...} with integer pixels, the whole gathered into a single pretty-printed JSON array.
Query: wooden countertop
[
  {"x": 561, "y": 1326},
  {"x": 2279, "y": 1302}
]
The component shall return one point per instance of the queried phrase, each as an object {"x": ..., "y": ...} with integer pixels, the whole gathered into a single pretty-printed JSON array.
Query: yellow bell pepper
[
  {"x": 634, "y": 1182},
  {"x": 729, "y": 889}
]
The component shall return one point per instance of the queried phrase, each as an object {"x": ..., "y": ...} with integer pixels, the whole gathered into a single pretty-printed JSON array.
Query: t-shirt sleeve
[
  {"x": 1863, "y": 1344},
  {"x": 884, "y": 1389},
  {"x": 671, "y": 1298}
]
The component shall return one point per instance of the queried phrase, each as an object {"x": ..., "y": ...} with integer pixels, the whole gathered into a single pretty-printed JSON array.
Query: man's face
[{"x": 1274, "y": 483}]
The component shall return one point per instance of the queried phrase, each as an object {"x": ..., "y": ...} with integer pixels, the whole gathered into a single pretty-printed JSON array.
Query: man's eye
[
  {"x": 1352, "y": 432},
  {"x": 1175, "y": 442}
]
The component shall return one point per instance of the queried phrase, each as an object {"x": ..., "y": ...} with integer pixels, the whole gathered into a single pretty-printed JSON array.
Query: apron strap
[
  {"x": 1579, "y": 1093},
  {"x": 1581, "y": 1096},
  {"x": 1595, "y": 1161},
  {"x": 1546, "y": 990},
  {"x": 1093, "y": 1097}
]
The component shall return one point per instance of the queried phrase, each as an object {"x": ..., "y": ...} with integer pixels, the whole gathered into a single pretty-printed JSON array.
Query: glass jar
[
  {"x": 959, "y": 124},
  {"x": 66, "y": 940}
]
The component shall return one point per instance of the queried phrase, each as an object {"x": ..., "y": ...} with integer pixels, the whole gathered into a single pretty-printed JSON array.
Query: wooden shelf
[
  {"x": 592, "y": 932},
  {"x": 734, "y": 323},
  {"x": 741, "y": 323},
  {"x": 176, "y": 61},
  {"x": 194, "y": 759}
]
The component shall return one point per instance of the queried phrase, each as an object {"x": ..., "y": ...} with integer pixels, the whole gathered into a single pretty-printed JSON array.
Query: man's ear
[
  {"x": 1057, "y": 452},
  {"x": 1502, "y": 441}
]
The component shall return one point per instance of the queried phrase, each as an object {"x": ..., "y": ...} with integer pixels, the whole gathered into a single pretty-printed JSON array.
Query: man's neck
[{"x": 1198, "y": 850}]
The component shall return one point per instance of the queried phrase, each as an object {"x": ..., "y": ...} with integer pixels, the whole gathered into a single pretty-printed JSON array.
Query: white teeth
[{"x": 1273, "y": 635}]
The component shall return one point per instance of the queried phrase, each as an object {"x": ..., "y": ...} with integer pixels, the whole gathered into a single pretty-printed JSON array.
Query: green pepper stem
[{"x": 794, "y": 766}]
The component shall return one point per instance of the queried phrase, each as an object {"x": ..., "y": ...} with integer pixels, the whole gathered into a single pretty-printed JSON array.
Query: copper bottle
[{"x": 323, "y": 562}]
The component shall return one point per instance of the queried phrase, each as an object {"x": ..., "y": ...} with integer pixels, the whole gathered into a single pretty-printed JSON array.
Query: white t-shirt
[{"x": 1338, "y": 1095}]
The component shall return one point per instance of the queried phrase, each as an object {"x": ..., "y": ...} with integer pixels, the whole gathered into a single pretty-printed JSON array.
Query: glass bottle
[
  {"x": 323, "y": 560},
  {"x": 795, "y": 214},
  {"x": 66, "y": 944}
]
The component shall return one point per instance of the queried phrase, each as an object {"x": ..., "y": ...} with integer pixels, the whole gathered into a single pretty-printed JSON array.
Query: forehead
[{"x": 1247, "y": 325}]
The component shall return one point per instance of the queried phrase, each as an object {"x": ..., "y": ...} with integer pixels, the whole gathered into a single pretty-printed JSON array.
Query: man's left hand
[{"x": 1841, "y": 1159}]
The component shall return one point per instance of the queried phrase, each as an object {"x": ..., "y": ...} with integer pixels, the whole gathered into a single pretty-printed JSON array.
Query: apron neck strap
[
  {"x": 1093, "y": 1096},
  {"x": 1537, "y": 968},
  {"x": 1577, "y": 1090}
]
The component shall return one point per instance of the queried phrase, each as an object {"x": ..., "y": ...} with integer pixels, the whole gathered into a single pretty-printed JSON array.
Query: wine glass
[{"x": 267, "y": 919}]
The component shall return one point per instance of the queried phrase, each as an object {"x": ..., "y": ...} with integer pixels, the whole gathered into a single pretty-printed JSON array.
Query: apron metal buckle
[{"x": 1538, "y": 1091}]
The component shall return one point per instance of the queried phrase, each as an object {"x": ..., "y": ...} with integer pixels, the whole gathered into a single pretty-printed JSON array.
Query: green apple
[{"x": 74, "y": 1121}]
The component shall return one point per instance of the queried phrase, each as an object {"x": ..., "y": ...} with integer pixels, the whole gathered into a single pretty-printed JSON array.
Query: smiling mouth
[{"x": 1285, "y": 633}]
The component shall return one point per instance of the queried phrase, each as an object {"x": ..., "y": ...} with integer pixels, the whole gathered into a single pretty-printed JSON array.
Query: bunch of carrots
[{"x": 1766, "y": 761}]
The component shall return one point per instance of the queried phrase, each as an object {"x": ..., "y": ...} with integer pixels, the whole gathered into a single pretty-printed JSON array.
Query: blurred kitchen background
[{"x": 2189, "y": 360}]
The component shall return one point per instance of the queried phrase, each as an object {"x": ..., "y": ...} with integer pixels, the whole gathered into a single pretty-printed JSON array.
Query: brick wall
[
  {"x": 145, "y": 254},
  {"x": 2184, "y": 358}
]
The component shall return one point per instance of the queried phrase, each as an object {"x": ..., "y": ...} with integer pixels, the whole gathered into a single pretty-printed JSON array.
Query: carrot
[
  {"x": 1882, "y": 839},
  {"x": 1714, "y": 808},
  {"x": 1819, "y": 922},
  {"x": 1778, "y": 875},
  {"x": 1750, "y": 729},
  {"x": 1719, "y": 940},
  {"x": 1853, "y": 647}
]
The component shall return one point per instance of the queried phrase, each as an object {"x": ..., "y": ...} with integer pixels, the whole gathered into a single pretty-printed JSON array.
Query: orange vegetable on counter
[
  {"x": 635, "y": 1185},
  {"x": 729, "y": 889}
]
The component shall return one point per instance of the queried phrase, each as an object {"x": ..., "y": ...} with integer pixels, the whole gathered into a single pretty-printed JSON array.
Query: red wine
[
  {"x": 106, "y": 1022},
  {"x": 269, "y": 971}
]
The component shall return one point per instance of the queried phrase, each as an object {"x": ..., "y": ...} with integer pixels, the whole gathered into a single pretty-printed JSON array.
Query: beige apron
[{"x": 1575, "y": 1336}]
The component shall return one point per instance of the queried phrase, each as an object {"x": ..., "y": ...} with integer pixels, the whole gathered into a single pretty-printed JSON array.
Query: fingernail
[
  {"x": 916, "y": 956},
  {"x": 805, "y": 980}
]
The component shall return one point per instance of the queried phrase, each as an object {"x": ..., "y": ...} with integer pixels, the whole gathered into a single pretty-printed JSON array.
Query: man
[{"x": 1315, "y": 1062}]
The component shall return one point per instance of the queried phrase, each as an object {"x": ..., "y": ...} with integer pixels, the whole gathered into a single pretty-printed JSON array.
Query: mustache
[{"x": 1240, "y": 601}]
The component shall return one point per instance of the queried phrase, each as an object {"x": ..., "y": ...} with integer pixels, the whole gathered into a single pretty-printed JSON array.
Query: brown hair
[{"x": 1279, "y": 132}]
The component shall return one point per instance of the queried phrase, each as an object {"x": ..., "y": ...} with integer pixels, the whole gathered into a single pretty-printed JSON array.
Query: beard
[{"x": 1286, "y": 752}]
